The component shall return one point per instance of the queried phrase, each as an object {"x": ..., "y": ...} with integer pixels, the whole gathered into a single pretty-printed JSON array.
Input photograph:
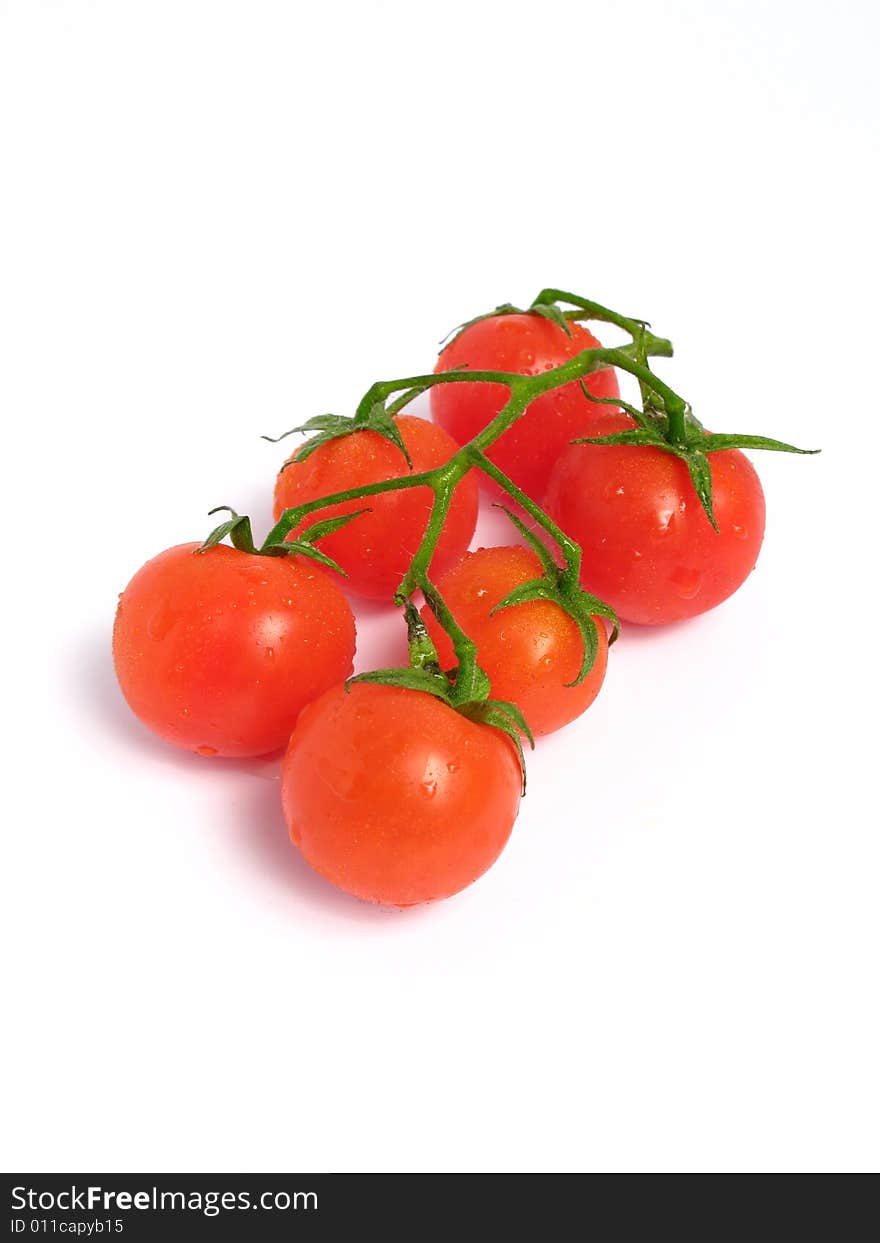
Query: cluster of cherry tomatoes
[{"x": 405, "y": 789}]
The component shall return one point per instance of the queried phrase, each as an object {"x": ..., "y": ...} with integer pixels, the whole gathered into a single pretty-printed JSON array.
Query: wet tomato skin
[
  {"x": 531, "y": 651},
  {"x": 649, "y": 549},
  {"x": 524, "y": 345},
  {"x": 376, "y": 548},
  {"x": 396, "y": 798},
  {"x": 218, "y": 652}
]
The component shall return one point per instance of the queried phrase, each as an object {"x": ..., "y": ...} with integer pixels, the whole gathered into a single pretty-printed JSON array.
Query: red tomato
[
  {"x": 376, "y": 549},
  {"x": 530, "y": 651},
  {"x": 525, "y": 345},
  {"x": 395, "y": 797},
  {"x": 649, "y": 549},
  {"x": 218, "y": 652}
]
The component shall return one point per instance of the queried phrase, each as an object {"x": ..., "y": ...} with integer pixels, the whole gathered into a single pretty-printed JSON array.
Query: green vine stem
[
  {"x": 443, "y": 480},
  {"x": 665, "y": 422}
]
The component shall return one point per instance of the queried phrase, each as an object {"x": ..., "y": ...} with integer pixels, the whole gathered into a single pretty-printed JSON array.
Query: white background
[{"x": 218, "y": 219}]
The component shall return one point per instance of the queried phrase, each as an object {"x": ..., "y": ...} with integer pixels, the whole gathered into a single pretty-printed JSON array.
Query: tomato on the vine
[
  {"x": 649, "y": 548},
  {"x": 218, "y": 651},
  {"x": 394, "y": 796},
  {"x": 524, "y": 344},
  {"x": 532, "y": 652},
  {"x": 376, "y": 549}
]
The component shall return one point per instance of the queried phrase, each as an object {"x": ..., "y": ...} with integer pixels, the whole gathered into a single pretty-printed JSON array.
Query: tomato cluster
[{"x": 402, "y": 786}]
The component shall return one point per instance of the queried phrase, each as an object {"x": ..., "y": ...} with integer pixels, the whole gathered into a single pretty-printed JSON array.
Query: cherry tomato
[
  {"x": 531, "y": 651},
  {"x": 396, "y": 798},
  {"x": 376, "y": 549},
  {"x": 526, "y": 345},
  {"x": 649, "y": 548},
  {"x": 217, "y": 652}
]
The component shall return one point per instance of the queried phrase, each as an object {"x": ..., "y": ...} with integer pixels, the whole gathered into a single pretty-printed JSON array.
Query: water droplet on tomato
[
  {"x": 206, "y": 750},
  {"x": 664, "y": 521},
  {"x": 429, "y": 788},
  {"x": 687, "y": 583},
  {"x": 453, "y": 766},
  {"x": 739, "y": 531},
  {"x": 270, "y": 652},
  {"x": 161, "y": 621}
]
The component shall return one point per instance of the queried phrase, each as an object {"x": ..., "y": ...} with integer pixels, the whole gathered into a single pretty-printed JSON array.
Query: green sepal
[
  {"x": 701, "y": 477},
  {"x": 534, "y": 589},
  {"x": 499, "y": 714},
  {"x": 304, "y": 544},
  {"x": 694, "y": 451},
  {"x": 334, "y": 426},
  {"x": 506, "y": 308},
  {"x": 551, "y": 312},
  {"x": 328, "y": 526},
  {"x": 714, "y": 443},
  {"x": 407, "y": 679},
  {"x": 237, "y": 527},
  {"x": 328, "y": 427},
  {"x": 635, "y": 436},
  {"x": 380, "y": 421},
  {"x": 556, "y": 587}
]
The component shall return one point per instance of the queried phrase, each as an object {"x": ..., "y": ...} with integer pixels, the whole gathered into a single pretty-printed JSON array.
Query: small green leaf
[
  {"x": 383, "y": 424},
  {"x": 335, "y": 426},
  {"x": 638, "y": 436},
  {"x": 328, "y": 526},
  {"x": 298, "y": 548},
  {"x": 238, "y": 528},
  {"x": 590, "y": 641},
  {"x": 594, "y": 607},
  {"x": 318, "y": 423},
  {"x": 712, "y": 443},
  {"x": 511, "y": 710},
  {"x": 534, "y": 589},
  {"x": 550, "y": 311},
  {"x": 506, "y": 308},
  {"x": 505, "y": 717},
  {"x": 407, "y": 679},
  {"x": 304, "y": 452},
  {"x": 701, "y": 477}
]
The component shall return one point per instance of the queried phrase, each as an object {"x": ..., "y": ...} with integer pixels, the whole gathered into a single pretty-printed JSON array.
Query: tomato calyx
[
  {"x": 678, "y": 432},
  {"x": 238, "y": 528},
  {"x": 560, "y": 587},
  {"x": 465, "y": 689},
  {"x": 374, "y": 415},
  {"x": 550, "y": 305}
]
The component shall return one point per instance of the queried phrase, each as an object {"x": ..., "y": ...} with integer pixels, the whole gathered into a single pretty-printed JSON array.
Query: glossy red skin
[
  {"x": 218, "y": 652},
  {"x": 525, "y": 345},
  {"x": 376, "y": 549},
  {"x": 531, "y": 651},
  {"x": 649, "y": 549},
  {"x": 396, "y": 798}
]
